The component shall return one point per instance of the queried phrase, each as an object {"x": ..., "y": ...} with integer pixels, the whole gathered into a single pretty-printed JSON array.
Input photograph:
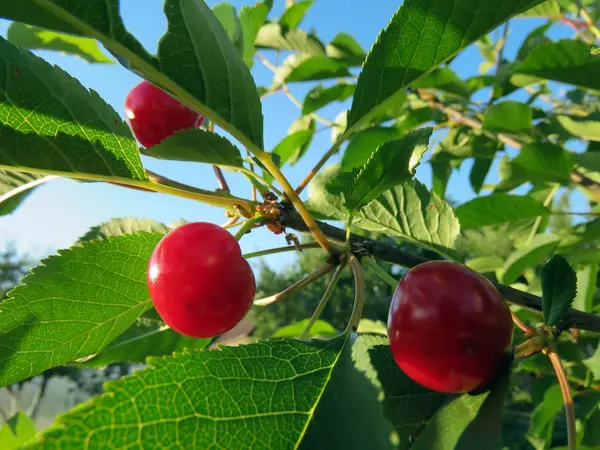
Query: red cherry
[
  {"x": 153, "y": 115},
  {"x": 449, "y": 327},
  {"x": 198, "y": 280}
]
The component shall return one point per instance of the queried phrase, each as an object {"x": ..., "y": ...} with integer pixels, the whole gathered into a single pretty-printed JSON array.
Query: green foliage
[
  {"x": 559, "y": 287},
  {"x": 16, "y": 432},
  {"x": 375, "y": 178},
  {"x": 498, "y": 208},
  {"x": 58, "y": 305},
  {"x": 15, "y": 187},
  {"x": 46, "y": 116},
  {"x": 88, "y": 307},
  {"x": 420, "y": 37},
  {"x": 36, "y": 38},
  {"x": 197, "y": 146}
]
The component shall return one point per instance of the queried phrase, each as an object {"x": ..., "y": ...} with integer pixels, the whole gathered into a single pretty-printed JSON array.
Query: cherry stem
[
  {"x": 321, "y": 306},
  {"x": 321, "y": 271},
  {"x": 371, "y": 264},
  {"x": 530, "y": 347},
  {"x": 288, "y": 248},
  {"x": 563, "y": 381},
  {"x": 248, "y": 225},
  {"x": 359, "y": 293},
  {"x": 231, "y": 222},
  {"x": 522, "y": 325}
]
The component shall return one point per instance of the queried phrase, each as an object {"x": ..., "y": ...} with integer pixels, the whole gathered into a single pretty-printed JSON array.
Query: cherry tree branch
[{"x": 363, "y": 246}]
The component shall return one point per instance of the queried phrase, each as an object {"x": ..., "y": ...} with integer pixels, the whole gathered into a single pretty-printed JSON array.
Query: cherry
[
  {"x": 198, "y": 280},
  {"x": 153, "y": 115},
  {"x": 449, "y": 327}
]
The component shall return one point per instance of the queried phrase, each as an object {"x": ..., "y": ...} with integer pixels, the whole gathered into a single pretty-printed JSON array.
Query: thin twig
[
  {"x": 321, "y": 306},
  {"x": 34, "y": 407},
  {"x": 321, "y": 271},
  {"x": 565, "y": 389},
  {"x": 285, "y": 88}
]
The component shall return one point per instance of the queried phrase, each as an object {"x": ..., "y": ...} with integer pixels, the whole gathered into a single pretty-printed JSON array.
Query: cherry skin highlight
[
  {"x": 153, "y": 115},
  {"x": 198, "y": 280},
  {"x": 449, "y": 327}
]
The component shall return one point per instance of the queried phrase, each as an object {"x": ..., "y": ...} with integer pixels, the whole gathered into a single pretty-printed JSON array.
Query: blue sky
[{"x": 56, "y": 214}]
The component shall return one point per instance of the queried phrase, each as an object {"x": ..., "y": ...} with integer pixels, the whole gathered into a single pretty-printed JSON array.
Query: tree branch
[{"x": 362, "y": 246}]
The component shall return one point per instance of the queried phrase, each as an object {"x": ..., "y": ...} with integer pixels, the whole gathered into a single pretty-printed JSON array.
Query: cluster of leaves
[{"x": 89, "y": 304}]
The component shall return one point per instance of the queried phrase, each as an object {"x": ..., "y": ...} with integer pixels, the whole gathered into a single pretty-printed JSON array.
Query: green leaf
[
  {"x": 541, "y": 245},
  {"x": 16, "y": 432},
  {"x": 547, "y": 9},
  {"x": 121, "y": 227},
  {"x": 73, "y": 305},
  {"x": 485, "y": 264},
  {"x": 498, "y": 208},
  {"x": 559, "y": 287},
  {"x": 444, "y": 79},
  {"x": 393, "y": 163},
  {"x": 294, "y": 330},
  {"x": 179, "y": 400},
  {"x": 293, "y": 15},
  {"x": 35, "y": 38},
  {"x": 425, "y": 419},
  {"x": 367, "y": 326},
  {"x": 411, "y": 212},
  {"x": 50, "y": 123},
  {"x": 567, "y": 61},
  {"x": 227, "y": 16},
  {"x": 586, "y": 287},
  {"x": 272, "y": 35},
  {"x": 143, "y": 339},
  {"x": 303, "y": 67},
  {"x": 290, "y": 146},
  {"x": 542, "y": 418},
  {"x": 420, "y": 37},
  {"x": 196, "y": 61},
  {"x": 364, "y": 143},
  {"x": 543, "y": 162},
  {"x": 345, "y": 47},
  {"x": 319, "y": 96},
  {"x": 511, "y": 116},
  {"x": 534, "y": 38},
  {"x": 588, "y": 160},
  {"x": 583, "y": 128},
  {"x": 15, "y": 187},
  {"x": 252, "y": 18},
  {"x": 593, "y": 363},
  {"x": 197, "y": 145},
  {"x": 324, "y": 203}
]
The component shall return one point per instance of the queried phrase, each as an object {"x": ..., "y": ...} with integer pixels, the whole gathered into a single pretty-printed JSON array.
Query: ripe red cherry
[
  {"x": 198, "y": 280},
  {"x": 449, "y": 327},
  {"x": 153, "y": 115}
]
